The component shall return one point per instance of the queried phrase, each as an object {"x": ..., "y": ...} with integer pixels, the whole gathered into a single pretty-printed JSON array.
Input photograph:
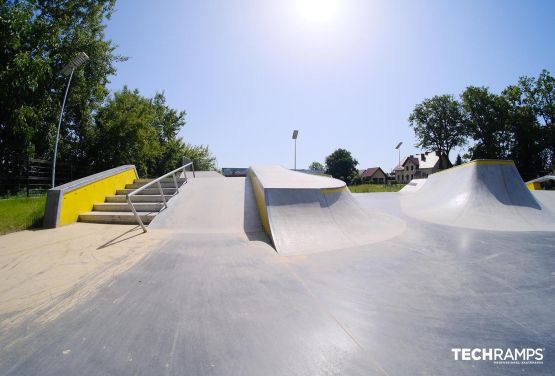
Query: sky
[{"x": 345, "y": 73}]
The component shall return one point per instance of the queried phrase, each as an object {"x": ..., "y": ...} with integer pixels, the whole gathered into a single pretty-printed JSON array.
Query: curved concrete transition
[
  {"x": 413, "y": 186},
  {"x": 482, "y": 194},
  {"x": 305, "y": 213}
]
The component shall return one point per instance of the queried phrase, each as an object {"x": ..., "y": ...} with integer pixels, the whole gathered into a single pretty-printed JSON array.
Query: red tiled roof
[{"x": 369, "y": 172}]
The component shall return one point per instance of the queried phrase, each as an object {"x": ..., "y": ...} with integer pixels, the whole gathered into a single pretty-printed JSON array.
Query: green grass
[
  {"x": 21, "y": 213},
  {"x": 365, "y": 188}
]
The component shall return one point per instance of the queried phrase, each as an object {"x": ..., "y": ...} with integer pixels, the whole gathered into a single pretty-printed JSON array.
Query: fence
[{"x": 35, "y": 176}]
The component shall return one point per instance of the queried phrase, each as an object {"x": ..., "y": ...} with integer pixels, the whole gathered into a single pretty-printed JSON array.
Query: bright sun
[{"x": 318, "y": 10}]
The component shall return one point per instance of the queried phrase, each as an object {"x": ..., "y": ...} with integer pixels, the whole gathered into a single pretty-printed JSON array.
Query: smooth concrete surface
[
  {"x": 306, "y": 221},
  {"x": 488, "y": 195},
  {"x": 206, "y": 205},
  {"x": 212, "y": 300},
  {"x": 280, "y": 177},
  {"x": 309, "y": 213},
  {"x": 413, "y": 186}
]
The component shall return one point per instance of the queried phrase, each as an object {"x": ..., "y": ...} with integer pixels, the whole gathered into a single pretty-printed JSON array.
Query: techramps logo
[{"x": 516, "y": 356}]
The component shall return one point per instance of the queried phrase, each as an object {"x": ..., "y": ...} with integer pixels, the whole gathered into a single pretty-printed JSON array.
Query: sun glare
[{"x": 318, "y": 10}]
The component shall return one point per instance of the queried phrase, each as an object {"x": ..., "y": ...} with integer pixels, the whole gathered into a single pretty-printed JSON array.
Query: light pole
[
  {"x": 295, "y": 134},
  {"x": 68, "y": 70},
  {"x": 398, "y": 147}
]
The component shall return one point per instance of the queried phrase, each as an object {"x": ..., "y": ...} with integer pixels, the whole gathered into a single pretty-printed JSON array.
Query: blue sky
[{"x": 346, "y": 73}]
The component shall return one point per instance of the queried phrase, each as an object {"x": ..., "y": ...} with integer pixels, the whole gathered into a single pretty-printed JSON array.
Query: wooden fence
[{"x": 35, "y": 177}]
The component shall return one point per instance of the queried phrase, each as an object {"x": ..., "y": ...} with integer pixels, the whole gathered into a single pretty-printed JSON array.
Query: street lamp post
[
  {"x": 295, "y": 134},
  {"x": 398, "y": 147},
  {"x": 68, "y": 70}
]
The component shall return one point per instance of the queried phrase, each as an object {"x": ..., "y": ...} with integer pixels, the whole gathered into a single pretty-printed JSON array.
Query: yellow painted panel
[
  {"x": 534, "y": 186},
  {"x": 82, "y": 199},
  {"x": 260, "y": 202},
  {"x": 327, "y": 191}
]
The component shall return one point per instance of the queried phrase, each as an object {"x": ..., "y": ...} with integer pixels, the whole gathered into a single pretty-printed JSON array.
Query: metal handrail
[{"x": 157, "y": 182}]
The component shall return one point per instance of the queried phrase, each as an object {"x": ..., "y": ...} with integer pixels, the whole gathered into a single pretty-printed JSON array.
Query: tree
[
  {"x": 539, "y": 95},
  {"x": 486, "y": 118},
  {"x": 341, "y": 165},
  {"x": 37, "y": 38},
  {"x": 132, "y": 129},
  {"x": 437, "y": 124},
  {"x": 458, "y": 161},
  {"x": 202, "y": 158},
  {"x": 528, "y": 141},
  {"x": 316, "y": 166}
]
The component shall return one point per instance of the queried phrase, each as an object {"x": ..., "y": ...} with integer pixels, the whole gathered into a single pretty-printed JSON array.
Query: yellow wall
[
  {"x": 82, "y": 199},
  {"x": 534, "y": 186},
  {"x": 260, "y": 202}
]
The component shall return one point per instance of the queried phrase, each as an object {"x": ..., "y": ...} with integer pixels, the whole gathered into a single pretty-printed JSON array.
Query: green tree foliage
[
  {"x": 528, "y": 147},
  {"x": 201, "y": 157},
  {"x": 316, "y": 166},
  {"x": 341, "y": 165},
  {"x": 539, "y": 95},
  {"x": 459, "y": 160},
  {"x": 437, "y": 124},
  {"x": 37, "y": 38},
  {"x": 518, "y": 124},
  {"x": 486, "y": 118},
  {"x": 132, "y": 129}
]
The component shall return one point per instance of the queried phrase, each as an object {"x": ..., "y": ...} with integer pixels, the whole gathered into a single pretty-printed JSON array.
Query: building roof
[
  {"x": 369, "y": 172},
  {"x": 429, "y": 159},
  {"x": 411, "y": 158}
]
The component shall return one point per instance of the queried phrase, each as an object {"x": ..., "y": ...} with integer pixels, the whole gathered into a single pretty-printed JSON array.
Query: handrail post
[
  {"x": 175, "y": 182},
  {"x": 162, "y": 193},
  {"x": 137, "y": 216}
]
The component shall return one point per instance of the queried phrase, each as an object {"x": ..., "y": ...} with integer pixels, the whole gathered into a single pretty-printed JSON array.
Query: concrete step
[
  {"x": 115, "y": 217},
  {"x": 147, "y": 191},
  {"x": 137, "y": 198},
  {"x": 124, "y": 207},
  {"x": 165, "y": 180},
  {"x": 165, "y": 184}
]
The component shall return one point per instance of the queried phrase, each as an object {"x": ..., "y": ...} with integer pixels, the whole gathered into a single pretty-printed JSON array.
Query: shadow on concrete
[
  {"x": 252, "y": 225},
  {"x": 129, "y": 234}
]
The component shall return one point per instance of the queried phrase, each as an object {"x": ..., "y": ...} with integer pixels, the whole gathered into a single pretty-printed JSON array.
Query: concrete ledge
[{"x": 65, "y": 202}]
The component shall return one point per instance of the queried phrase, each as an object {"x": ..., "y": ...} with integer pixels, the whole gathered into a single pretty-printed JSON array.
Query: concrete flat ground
[{"x": 224, "y": 303}]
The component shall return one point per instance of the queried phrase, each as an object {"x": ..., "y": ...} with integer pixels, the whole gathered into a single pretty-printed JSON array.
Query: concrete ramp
[
  {"x": 482, "y": 194},
  {"x": 212, "y": 204},
  {"x": 413, "y": 186},
  {"x": 304, "y": 213}
]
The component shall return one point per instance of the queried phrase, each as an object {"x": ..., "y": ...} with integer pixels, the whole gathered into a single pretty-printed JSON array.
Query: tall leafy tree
[
  {"x": 539, "y": 95},
  {"x": 316, "y": 166},
  {"x": 132, "y": 129},
  {"x": 486, "y": 117},
  {"x": 437, "y": 124},
  {"x": 37, "y": 38},
  {"x": 341, "y": 165},
  {"x": 528, "y": 144}
]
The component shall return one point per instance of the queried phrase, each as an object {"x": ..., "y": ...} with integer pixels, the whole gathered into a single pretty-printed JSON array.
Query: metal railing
[{"x": 159, "y": 185}]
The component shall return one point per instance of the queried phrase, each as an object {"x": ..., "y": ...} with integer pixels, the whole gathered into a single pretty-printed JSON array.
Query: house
[
  {"x": 420, "y": 166},
  {"x": 373, "y": 175}
]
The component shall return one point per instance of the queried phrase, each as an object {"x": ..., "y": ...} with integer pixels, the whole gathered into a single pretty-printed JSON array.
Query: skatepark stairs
[{"x": 148, "y": 203}]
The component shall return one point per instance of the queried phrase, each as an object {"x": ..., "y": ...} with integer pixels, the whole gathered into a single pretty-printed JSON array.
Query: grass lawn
[
  {"x": 365, "y": 188},
  {"x": 21, "y": 213}
]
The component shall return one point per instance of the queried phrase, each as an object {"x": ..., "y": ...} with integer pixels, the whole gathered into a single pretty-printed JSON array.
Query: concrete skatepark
[{"x": 285, "y": 273}]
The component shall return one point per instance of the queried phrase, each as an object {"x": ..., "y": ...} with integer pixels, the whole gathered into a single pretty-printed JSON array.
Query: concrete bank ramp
[
  {"x": 212, "y": 204},
  {"x": 413, "y": 186},
  {"x": 304, "y": 213},
  {"x": 482, "y": 194}
]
